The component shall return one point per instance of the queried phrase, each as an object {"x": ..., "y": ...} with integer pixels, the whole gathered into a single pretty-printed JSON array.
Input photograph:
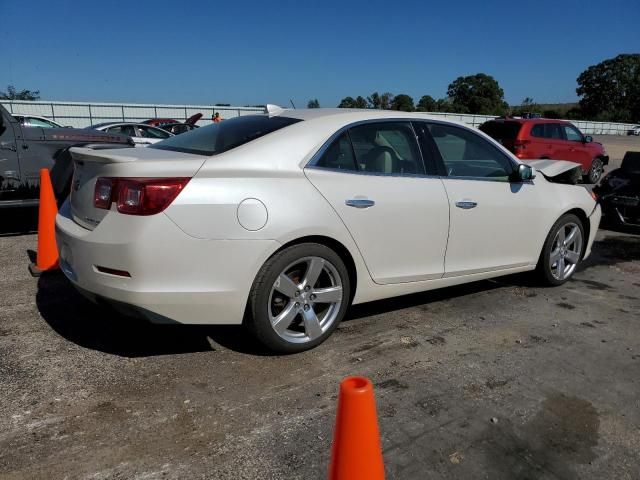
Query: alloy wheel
[
  {"x": 565, "y": 251},
  {"x": 305, "y": 299}
]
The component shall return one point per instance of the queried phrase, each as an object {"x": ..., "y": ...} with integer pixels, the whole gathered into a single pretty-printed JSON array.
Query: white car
[
  {"x": 35, "y": 121},
  {"x": 283, "y": 220},
  {"x": 142, "y": 135},
  {"x": 634, "y": 131}
]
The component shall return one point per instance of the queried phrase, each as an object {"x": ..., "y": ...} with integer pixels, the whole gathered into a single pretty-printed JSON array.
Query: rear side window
[
  {"x": 339, "y": 155},
  {"x": 538, "y": 130},
  {"x": 501, "y": 130},
  {"x": 553, "y": 131},
  {"x": 388, "y": 148},
  {"x": 221, "y": 137}
]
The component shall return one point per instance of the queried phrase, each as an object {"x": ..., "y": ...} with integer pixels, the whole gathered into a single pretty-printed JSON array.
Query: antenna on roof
[
  {"x": 274, "y": 110},
  {"x": 294, "y": 107}
]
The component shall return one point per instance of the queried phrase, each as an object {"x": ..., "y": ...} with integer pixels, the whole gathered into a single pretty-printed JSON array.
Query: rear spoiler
[{"x": 85, "y": 154}]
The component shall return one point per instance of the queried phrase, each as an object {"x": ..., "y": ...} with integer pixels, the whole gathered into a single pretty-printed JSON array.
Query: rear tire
[
  {"x": 298, "y": 298},
  {"x": 595, "y": 172},
  {"x": 562, "y": 251}
]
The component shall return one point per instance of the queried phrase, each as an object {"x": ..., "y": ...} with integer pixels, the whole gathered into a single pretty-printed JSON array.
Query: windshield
[{"x": 220, "y": 137}]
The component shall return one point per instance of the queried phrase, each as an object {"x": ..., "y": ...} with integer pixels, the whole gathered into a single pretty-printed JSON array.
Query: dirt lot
[
  {"x": 497, "y": 379},
  {"x": 616, "y": 146}
]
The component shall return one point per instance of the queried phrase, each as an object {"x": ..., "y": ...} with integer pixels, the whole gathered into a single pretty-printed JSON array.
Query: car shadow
[{"x": 101, "y": 328}]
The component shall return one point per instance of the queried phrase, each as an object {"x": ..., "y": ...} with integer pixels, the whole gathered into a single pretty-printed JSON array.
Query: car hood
[{"x": 558, "y": 171}]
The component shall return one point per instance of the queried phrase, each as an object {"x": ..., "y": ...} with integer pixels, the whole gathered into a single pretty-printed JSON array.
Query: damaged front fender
[{"x": 557, "y": 171}]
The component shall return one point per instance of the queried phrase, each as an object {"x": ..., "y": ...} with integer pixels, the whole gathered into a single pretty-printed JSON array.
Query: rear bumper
[{"x": 174, "y": 278}]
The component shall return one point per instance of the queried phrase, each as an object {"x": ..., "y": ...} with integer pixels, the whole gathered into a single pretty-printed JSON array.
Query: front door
[
  {"x": 11, "y": 186},
  {"x": 374, "y": 178},
  {"x": 495, "y": 224},
  {"x": 573, "y": 147}
]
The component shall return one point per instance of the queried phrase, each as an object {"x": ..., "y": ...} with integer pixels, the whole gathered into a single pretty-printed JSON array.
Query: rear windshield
[
  {"x": 220, "y": 137},
  {"x": 501, "y": 130}
]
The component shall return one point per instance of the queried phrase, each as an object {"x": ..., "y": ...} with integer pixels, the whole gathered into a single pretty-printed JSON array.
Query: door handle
[
  {"x": 359, "y": 203},
  {"x": 466, "y": 204}
]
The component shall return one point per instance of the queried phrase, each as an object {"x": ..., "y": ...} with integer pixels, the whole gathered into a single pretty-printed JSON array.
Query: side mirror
[
  {"x": 525, "y": 173},
  {"x": 588, "y": 139}
]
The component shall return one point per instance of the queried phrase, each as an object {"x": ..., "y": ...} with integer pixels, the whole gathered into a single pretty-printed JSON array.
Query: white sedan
[
  {"x": 283, "y": 220},
  {"x": 141, "y": 134}
]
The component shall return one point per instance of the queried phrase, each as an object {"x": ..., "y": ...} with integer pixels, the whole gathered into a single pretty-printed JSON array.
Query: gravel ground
[{"x": 496, "y": 379}]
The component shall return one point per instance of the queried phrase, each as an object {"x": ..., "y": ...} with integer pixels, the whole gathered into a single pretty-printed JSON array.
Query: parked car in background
[
  {"x": 141, "y": 134},
  {"x": 634, "y": 131},
  {"x": 285, "y": 219},
  {"x": 187, "y": 126},
  {"x": 178, "y": 128},
  {"x": 25, "y": 150},
  {"x": 154, "y": 122},
  {"x": 553, "y": 139},
  {"x": 619, "y": 192},
  {"x": 35, "y": 121}
]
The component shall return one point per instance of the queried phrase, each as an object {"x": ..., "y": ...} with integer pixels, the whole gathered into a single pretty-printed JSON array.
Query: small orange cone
[
  {"x": 47, "y": 257},
  {"x": 356, "y": 453}
]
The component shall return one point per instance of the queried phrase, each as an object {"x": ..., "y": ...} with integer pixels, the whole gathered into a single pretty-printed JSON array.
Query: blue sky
[{"x": 254, "y": 52}]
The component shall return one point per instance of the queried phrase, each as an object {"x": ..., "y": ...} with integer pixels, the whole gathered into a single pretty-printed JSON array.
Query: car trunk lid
[{"x": 90, "y": 164}]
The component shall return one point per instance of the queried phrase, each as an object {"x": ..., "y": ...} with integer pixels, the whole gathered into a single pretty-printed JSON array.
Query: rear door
[
  {"x": 11, "y": 185},
  {"x": 374, "y": 178},
  {"x": 555, "y": 139}
]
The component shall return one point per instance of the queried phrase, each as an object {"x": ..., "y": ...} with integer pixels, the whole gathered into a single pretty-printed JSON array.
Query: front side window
[
  {"x": 221, "y": 137},
  {"x": 573, "y": 135},
  {"x": 387, "y": 148},
  {"x": 37, "y": 122},
  {"x": 466, "y": 154}
]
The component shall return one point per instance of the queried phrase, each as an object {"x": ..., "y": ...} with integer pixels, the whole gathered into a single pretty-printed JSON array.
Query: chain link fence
[{"x": 80, "y": 115}]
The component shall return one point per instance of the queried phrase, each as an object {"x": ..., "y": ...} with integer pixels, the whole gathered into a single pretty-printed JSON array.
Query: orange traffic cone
[
  {"x": 356, "y": 453},
  {"x": 47, "y": 256}
]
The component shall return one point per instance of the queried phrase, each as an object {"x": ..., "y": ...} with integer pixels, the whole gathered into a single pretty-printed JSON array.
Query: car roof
[
  {"x": 527, "y": 120},
  {"x": 350, "y": 115}
]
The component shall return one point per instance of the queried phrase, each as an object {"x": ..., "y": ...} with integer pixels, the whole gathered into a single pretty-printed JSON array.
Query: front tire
[
  {"x": 595, "y": 172},
  {"x": 298, "y": 298},
  {"x": 562, "y": 251}
]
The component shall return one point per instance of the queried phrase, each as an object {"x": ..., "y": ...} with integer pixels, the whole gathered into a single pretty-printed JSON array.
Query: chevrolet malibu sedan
[{"x": 281, "y": 221}]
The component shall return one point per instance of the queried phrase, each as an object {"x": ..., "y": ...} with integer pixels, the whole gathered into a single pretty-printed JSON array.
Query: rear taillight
[
  {"x": 103, "y": 192},
  {"x": 520, "y": 144},
  {"x": 137, "y": 196}
]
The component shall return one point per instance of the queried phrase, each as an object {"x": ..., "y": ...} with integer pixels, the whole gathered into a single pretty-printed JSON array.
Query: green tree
[
  {"x": 477, "y": 94},
  {"x": 610, "y": 90},
  {"x": 373, "y": 101},
  {"x": 360, "y": 102},
  {"x": 444, "y": 105},
  {"x": 13, "y": 94},
  {"x": 386, "y": 99},
  {"x": 426, "y": 104},
  {"x": 313, "y": 103},
  {"x": 347, "y": 102},
  {"x": 403, "y": 103}
]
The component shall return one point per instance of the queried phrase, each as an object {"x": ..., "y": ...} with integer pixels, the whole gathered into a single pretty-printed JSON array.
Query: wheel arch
[
  {"x": 337, "y": 247},
  {"x": 586, "y": 225}
]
